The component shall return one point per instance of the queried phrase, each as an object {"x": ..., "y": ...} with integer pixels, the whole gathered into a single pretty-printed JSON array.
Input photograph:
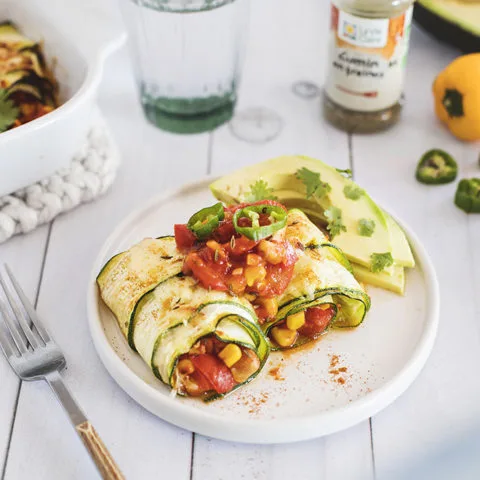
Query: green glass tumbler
[{"x": 187, "y": 57}]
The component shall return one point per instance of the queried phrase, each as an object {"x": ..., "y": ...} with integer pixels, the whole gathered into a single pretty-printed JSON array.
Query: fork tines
[{"x": 19, "y": 317}]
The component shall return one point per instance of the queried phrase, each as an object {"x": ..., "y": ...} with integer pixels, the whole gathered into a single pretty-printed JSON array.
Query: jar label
[{"x": 367, "y": 60}]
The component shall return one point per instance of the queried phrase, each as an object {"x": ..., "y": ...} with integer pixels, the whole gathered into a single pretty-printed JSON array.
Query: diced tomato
[
  {"x": 241, "y": 245},
  {"x": 279, "y": 275},
  {"x": 184, "y": 237},
  {"x": 217, "y": 374},
  {"x": 225, "y": 231},
  {"x": 316, "y": 321},
  {"x": 204, "y": 272},
  {"x": 202, "y": 385}
]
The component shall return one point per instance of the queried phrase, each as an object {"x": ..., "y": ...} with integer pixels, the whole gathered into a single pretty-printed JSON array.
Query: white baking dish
[{"x": 77, "y": 38}]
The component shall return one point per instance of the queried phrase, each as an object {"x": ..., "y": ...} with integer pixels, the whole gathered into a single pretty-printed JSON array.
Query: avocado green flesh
[
  {"x": 393, "y": 281},
  {"x": 401, "y": 251},
  {"x": 279, "y": 173},
  {"x": 464, "y": 14},
  {"x": 126, "y": 277}
]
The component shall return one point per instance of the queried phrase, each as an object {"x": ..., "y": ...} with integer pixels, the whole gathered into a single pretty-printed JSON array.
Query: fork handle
[
  {"x": 104, "y": 462},
  {"x": 101, "y": 456}
]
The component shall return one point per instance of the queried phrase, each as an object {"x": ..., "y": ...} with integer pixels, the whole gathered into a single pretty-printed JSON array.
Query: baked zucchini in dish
[
  {"x": 323, "y": 292},
  {"x": 27, "y": 87}
]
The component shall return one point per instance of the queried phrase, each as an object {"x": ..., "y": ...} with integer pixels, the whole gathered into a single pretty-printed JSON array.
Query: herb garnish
[
  {"x": 353, "y": 192},
  {"x": 381, "y": 261},
  {"x": 8, "y": 111},
  {"x": 334, "y": 216},
  {"x": 347, "y": 173},
  {"x": 313, "y": 183},
  {"x": 366, "y": 227},
  {"x": 260, "y": 191}
]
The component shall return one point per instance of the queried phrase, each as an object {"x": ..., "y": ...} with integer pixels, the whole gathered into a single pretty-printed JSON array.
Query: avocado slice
[
  {"x": 456, "y": 22},
  {"x": 279, "y": 173},
  {"x": 393, "y": 281}
]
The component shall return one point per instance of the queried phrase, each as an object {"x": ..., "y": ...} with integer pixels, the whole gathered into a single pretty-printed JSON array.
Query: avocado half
[{"x": 456, "y": 22}]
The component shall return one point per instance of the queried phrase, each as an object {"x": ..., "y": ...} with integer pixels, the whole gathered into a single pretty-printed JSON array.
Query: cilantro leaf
[
  {"x": 346, "y": 172},
  {"x": 353, "y": 192},
  {"x": 366, "y": 227},
  {"x": 313, "y": 183},
  {"x": 8, "y": 111},
  {"x": 260, "y": 191},
  {"x": 334, "y": 216},
  {"x": 380, "y": 261}
]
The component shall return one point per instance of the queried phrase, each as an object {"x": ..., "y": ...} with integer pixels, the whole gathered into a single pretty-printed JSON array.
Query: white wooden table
[{"x": 286, "y": 45}]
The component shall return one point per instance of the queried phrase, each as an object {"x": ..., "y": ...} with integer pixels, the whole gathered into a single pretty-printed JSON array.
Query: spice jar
[{"x": 368, "y": 44}]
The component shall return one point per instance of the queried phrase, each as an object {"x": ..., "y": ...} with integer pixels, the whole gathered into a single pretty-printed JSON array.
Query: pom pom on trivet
[{"x": 89, "y": 175}]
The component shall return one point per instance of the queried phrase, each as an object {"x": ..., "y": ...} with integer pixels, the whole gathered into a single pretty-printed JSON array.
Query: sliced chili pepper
[
  {"x": 256, "y": 217},
  {"x": 205, "y": 221},
  {"x": 272, "y": 203},
  {"x": 468, "y": 195},
  {"x": 436, "y": 167}
]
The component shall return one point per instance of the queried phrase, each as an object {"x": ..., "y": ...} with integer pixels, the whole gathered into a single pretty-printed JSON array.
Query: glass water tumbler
[{"x": 187, "y": 56}]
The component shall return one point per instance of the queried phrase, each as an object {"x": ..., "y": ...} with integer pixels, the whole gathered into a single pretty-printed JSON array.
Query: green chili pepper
[
  {"x": 436, "y": 167},
  {"x": 277, "y": 215},
  {"x": 468, "y": 195},
  {"x": 205, "y": 221}
]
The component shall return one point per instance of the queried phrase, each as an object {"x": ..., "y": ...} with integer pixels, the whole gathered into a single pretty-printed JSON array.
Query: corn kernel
[
  {"x": 213, "y": 245},
  {"x": 230, "y": 355},
  {"x": 185, "y": 367},
  {"x": 295, "y": 321},
  {"x": 250, "y": 297},
  {"x": 273, "y": 253},
  {"x": 284, "y": 337},
  {"x": 254, "y": 274},
  {"x": 254, "y": 259},
  {"x": 270, "y": 305},
  {"x": 237, "y": 271}
]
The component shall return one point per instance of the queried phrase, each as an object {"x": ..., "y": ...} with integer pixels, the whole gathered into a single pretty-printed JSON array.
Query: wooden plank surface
[
  {"x": 443, "y": 403},
  {"x": 286, "y": 45},
  {"x": 24, "y": 255}
]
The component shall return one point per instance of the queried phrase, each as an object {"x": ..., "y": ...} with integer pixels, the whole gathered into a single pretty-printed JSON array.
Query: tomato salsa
[
  {"x": 228, "y": 260},
  {"x": 243, "y": 249}
]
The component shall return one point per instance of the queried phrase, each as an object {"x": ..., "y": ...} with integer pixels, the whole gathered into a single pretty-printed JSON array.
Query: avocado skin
[{"x": 446, "y": 31}]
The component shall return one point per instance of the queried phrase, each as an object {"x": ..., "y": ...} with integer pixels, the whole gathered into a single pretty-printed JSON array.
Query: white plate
[{"x": 310, "y": 396}]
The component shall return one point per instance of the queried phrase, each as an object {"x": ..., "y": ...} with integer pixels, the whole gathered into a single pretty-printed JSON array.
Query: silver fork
[{"x": 33, "y": 355}]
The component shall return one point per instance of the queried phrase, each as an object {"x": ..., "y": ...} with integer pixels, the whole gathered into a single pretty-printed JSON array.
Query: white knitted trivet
[{"x": 89, "y": 175}]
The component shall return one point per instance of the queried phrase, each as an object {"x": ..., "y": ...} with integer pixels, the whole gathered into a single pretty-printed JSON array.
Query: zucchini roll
[
  {"x": 126, "y": 277},
  {"x": 323, "y": 291},
  {"x": 200, "y": 342}
]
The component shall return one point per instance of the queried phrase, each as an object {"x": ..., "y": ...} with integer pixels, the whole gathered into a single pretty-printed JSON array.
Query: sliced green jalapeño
[
  {"x": 277, "y": 217},
  {"x": 436, "y": 167},
  {"x": 204, "y": 222},
  {"x": 468, "y": 195}
]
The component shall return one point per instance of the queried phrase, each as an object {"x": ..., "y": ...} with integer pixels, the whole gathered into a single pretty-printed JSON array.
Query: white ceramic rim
[{"x": 261, "y": 431}]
